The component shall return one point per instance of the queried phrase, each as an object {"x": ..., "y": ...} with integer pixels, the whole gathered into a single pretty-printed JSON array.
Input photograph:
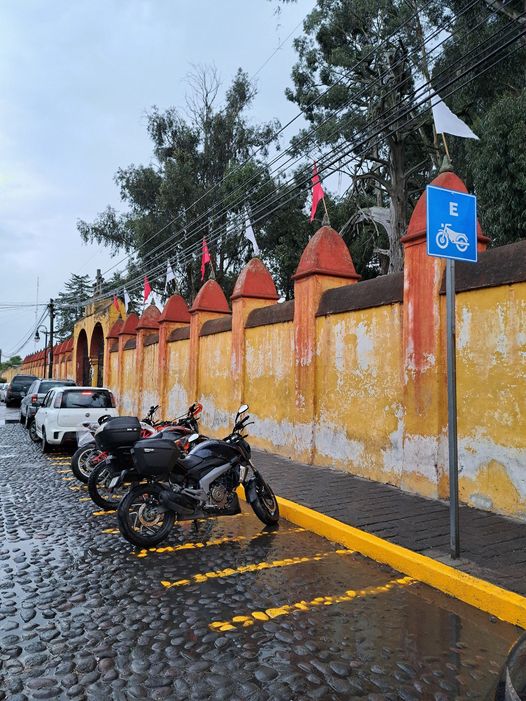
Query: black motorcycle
[
  {"x": 199, "y": 485},
  {"x": 110, "y": 479}
]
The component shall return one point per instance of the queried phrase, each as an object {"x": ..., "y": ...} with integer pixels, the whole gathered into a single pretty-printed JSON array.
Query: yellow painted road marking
[
  {"x": 63, "y": 472},
  {"x": 254, "y": 567},
  {"x": 213, "y": 541},
  {"x": 104, "y": 513},
  {"x": 111, "y": 530},
  {"x": 85, "y": 499},
  {"x": 504, "y": 604},
  {"x": 349, "y": 595},
  {"x": 68, "y": 479}
]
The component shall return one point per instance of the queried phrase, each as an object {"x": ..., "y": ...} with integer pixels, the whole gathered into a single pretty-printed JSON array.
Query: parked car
[
  {"x": 35, "y": 396},
  {"x": 3, "y": 390},
  {"x": 65, "y": 409},
  {"x": 17, "y": 389}
]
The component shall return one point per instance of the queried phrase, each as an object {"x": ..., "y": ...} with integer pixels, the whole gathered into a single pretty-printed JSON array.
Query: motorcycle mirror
[
  {"x": 192, "y": 437},
  {"x": 242, "y": 409}
]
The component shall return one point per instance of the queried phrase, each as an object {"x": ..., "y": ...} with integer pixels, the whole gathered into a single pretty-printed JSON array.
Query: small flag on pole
[
  {"x": 126, "y": 300},
  {"x": 205, "y": 258},
  {"x": 170, "y": 275},
  {"x": 249, "y": 233},
  {"x": 116, "y": 303},
  {"x": 147, "y": 288},
  {"x": 317, "y": 192},
  {"x": 447, "y": 122}
]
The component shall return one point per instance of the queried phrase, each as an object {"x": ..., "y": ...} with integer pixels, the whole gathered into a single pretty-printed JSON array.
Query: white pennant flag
[
  {"x": 170, "y": 275},
  {"x": 126, "y": 300},
  {"x": 249, "y": 233},
  {"x": 446, "y": 122}
]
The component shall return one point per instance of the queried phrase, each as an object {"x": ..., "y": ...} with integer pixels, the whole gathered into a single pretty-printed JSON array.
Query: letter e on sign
[{"x": 453, "y": 206}]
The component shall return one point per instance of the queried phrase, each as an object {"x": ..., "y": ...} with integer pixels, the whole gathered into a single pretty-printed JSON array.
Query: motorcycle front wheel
[
  {"x": 265, "y": 504},
  {"x": 140, "y": 519},
  {"x": 99, "y": 489},
  {"x": 81, "y": 462}
]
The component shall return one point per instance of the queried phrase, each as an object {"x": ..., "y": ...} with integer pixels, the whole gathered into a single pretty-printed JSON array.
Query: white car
[{"x": 65, "y": 409}]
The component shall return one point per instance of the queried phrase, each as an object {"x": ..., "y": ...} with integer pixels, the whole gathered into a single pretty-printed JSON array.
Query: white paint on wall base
[
  {"x": 421, "y": 456},
  {"x": 477, "y": 451},
  {"x": 177, "y": 401},
  {"x": 214, "y": 418},
  {"x": 283, "y": 434},
  {"x": 334, "y": 443},
  {"x": 394, "y": 455}
]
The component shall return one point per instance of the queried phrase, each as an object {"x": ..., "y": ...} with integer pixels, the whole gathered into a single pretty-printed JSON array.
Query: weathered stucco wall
[
  {"x": 359, "y": 393},
  {"x": 269, "y": 382},
  {"x": 176, "y": 399},
  {"x": 215, "y": 384},
  {"x": 349, "y": 374},
  {"x": 491, "y": 372},
  {"x": 129, "y": 390}
]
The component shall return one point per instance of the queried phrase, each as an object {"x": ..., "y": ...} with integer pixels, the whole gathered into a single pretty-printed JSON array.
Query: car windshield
[
  {"x": 49, "y": 384},
  {"x": 86, "y": 399}
]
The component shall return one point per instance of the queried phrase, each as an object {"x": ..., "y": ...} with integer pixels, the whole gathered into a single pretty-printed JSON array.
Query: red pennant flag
[
  {"x": 317, "y": 192},
  {"x": 147, "y": 288},
  {"x": 205, "y": 258},
  {"x": 116, "y": 303}
]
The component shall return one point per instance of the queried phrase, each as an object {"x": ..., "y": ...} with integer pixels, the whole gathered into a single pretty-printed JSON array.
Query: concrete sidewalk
[{"x": 493, "y": 547}]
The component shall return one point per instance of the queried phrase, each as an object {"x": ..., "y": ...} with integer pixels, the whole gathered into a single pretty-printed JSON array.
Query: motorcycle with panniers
[
  {"x": 110, "y": 479},
  {"x": 199, "y": 485}
]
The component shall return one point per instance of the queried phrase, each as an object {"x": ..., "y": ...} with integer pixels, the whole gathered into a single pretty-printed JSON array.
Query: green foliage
[
  {"x": 70, "y": 304},
  {"x": 13, "y": 361},
  {"x": 198, "y": 158},
  {"x": 498, "y": 164}
]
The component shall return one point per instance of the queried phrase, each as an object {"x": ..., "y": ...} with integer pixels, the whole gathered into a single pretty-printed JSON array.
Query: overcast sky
[{"x": 76, "y": 79}]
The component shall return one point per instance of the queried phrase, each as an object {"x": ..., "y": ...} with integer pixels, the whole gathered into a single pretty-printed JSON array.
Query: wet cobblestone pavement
[{"x": 228, "y": 612}]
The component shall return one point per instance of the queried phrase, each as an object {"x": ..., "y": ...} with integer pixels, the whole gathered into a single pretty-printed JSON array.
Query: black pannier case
[
  {"x": 155, "y": 456},
  {"x": 119, "y": 432}
]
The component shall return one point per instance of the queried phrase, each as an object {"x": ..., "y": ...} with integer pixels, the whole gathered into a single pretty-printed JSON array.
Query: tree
[
  {"x": 70, "y": 304},
  {"x": 202, "y": 156},
  {"x": 356, "y": 74},
  {"x": 13, "y": 361}
]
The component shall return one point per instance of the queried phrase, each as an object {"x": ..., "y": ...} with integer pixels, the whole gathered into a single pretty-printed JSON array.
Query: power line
[{"x": 191, "y": 249}]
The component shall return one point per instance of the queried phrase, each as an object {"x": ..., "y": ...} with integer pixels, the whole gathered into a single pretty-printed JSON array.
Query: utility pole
[{"x": 51, "y": 308}]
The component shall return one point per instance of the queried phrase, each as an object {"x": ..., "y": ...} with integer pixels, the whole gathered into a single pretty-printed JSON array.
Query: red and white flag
[
  {"x": 317, "y": 192},
  {"x": 116, "y": 303},
  {"x": 147, "y": 288},
  {"x": 205, "y": 258}
]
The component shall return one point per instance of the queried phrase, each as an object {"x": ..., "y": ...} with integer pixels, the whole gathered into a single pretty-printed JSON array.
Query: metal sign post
[
  {"x": 451, "y": 234},
  {"x": 454, "y": 531}
]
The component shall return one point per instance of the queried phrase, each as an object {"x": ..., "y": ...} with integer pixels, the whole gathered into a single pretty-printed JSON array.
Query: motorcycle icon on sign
[{"x": 446, "y": 235}]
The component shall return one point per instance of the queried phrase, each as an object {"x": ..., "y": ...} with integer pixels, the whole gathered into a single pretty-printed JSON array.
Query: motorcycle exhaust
[{"x": 177, "y": 502}]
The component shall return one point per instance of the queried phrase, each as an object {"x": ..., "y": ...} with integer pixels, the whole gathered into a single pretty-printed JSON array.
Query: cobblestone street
[{"x": 231, "y": 611}]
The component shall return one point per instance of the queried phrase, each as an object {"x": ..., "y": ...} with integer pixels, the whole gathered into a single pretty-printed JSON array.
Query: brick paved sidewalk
[{"x": 492, "y": 547}]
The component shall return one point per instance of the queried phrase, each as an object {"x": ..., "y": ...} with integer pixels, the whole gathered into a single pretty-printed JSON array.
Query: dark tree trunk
[{"x": 398, "y": 205}]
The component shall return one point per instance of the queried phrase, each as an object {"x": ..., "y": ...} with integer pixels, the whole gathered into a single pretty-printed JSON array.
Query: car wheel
[
  {"x": 46, "y": 448},
  {"x": 33, "y": 431}
]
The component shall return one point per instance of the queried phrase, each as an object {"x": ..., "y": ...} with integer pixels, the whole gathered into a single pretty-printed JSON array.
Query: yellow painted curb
[{"x": 501, "y": 603}]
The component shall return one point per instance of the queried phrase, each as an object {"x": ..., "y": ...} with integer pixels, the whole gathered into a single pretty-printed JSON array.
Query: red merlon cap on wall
[
  {"x": 255, "y": 281},
  {"x": 130, "y": 326},
  {"x": 175, "y": 309},
  {"x": 210, "y": 298},
  {"x": 326, "y": 254},
  {"x": 149, "y": 318},
  {"x": 418, "y": 223},
  {"x": 115, "y": 329},
  {"x": 69, "y": 345}
]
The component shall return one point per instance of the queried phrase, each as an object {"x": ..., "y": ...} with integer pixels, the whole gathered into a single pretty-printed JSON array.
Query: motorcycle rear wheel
[
  {"x": 81, "y": 462},
  {"x": 138, "y": 521},
  {"x": 99, "y": 490},
  {"x": 265, "y": 505}
]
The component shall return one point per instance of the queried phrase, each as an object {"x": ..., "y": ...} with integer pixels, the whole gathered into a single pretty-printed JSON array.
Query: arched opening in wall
[
  {"x": 96, "y": 353},
  {"x": 83, "y": 366}
]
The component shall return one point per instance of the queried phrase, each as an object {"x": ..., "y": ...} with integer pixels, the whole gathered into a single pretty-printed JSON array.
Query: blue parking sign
[{"x": 451, "y": 224}]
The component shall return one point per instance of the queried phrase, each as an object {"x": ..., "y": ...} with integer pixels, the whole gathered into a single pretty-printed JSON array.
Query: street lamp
[{"x": 37, "y": 339}]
